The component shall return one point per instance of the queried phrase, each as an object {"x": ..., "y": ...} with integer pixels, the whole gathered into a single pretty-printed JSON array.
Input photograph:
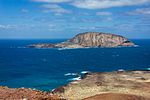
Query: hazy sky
[{"x": 65, "y": 18}]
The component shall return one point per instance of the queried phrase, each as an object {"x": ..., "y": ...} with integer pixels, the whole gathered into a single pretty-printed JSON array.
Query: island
[
  {"x": 117, "y": 85},
  {"x": 89, "y": 40}
]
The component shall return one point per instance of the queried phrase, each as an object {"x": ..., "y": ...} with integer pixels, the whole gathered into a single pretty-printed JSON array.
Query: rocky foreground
[
  {"x": 119, "y": 85},
  {"x": 25, "y": 94},
  {"x": 89, "y": 40},
  {"x": 116, "y": 96}
]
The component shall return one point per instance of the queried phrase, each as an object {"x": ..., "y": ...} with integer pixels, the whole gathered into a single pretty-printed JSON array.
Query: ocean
[{"x": 46, "y": 69}]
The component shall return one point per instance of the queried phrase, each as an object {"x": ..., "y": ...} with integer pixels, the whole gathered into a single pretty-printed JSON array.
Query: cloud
[
  {"x": 97, "y": 4},
  {"x": 51, "y": 1},
  {"x": 24, "y": 10},
  {"x": 142, "y": 11},
  {"x": 90, "y": 27},
  {"x": 17, "y": 27},
  {"x": 104, "y": 13},
  {"x": 55, "y": 8},
  {"x": 127, "y": 27},
  {"x": 101, "y": 4},
  {"x": 5, "y": 27}
]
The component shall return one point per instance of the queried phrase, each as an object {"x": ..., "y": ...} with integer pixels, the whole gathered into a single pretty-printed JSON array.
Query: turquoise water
[{"x": 44, "y": 69}]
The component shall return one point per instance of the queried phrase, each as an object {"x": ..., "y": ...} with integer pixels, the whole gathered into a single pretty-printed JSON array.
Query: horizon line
[{"x": 53, "y": 38}]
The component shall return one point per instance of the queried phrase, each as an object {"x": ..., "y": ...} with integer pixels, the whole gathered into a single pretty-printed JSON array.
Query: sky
[{"x": 54, "y": 19}]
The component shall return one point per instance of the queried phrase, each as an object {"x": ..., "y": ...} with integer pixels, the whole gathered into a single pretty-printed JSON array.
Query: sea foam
[
  {"x": 69, "y": 74},
  {"x": 75, "y": 79},
  {"x": 148, "y": 69},
  {"x": 85, "y": 72}
]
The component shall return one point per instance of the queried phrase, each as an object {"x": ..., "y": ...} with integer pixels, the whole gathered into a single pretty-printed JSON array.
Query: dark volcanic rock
[{"x": 90, "y": 39}]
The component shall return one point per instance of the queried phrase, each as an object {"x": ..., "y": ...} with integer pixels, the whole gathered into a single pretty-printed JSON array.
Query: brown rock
[
  {"x": 89, "y": 39},
  {"x": 96, "y": 39},
  {"x": 116, "y": 96},
  {"x": 135, "y": 84},
  {"x": 25, "y": 94}
]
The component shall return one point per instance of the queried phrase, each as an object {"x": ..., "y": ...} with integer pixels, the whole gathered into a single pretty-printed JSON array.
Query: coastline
[{"x": 136, "y": 83}]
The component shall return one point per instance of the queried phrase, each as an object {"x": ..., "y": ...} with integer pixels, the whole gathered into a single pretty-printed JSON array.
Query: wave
[
  {"x": 62, "y": 48},
  {"x": 79, "y": 75},
  {"x": 74, "y": 74},
  {"x": 70, "y": 74},
  {"x": 84, "y": 72},
  {"x": 66, "y": 48},
  {"x": 75, "y": 79},
  {"x": 148, "y": 69}
]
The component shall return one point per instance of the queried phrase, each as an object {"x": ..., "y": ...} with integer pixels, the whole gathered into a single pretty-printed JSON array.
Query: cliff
[
  {"x": 95, "y": 39},
  {"x": 90, "y": 39}
]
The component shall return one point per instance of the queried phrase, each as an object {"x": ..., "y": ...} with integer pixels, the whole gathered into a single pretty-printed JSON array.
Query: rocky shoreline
[
  {"x": 89, "y": 40},
  {"x": 25, "y": 94},
  {"x": 129, "y": 85},
  {"x": 136, "y": 83}
]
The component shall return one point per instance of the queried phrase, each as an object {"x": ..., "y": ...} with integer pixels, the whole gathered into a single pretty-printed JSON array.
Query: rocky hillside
[
  {"x": 90, "y": 39},
  {"x": 95, "y": 39}
]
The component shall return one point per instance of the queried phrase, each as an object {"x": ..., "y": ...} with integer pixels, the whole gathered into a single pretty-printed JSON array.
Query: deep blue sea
[{"x": 44, "y": 69}]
